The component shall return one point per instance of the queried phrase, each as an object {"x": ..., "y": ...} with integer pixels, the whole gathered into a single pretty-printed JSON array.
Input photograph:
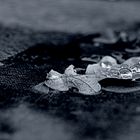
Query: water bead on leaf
[
  {"x": 87, "y": 83},
  {"x": 125, "y": 73},
  {"x": 114, "y": 73},
  {"x": 134, "y": 65},
  {"x": 106, "y": 65},
  {"x": 136, "y": 68},
  {"x": 107, "y": 62},
  {"x": 124, "y": 66},
  {"x": 102, "y": 69}
]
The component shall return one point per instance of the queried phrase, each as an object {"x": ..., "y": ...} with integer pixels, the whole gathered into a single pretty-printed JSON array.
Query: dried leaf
[
  {"x": 41, "y": 88},
  {"x": 70, "y": 71},
  {"x": 96, "y": 70},
  {"x": 56, "y": 81},
  {"x": 132, "y": 61},
  {"x": 86, "y": 84}
]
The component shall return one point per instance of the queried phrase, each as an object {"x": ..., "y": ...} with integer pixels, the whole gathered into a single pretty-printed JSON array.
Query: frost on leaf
[
  {"x": 86, "y": 84},
  {"x": 56, "y": 81},
  {"x": 132, "y": 61},
  {"x": 41, "y": 88},
  {"x": 134, "y": 65},
  {"x": 70, "y": 71},
  {"x": 95, "y": 69}
]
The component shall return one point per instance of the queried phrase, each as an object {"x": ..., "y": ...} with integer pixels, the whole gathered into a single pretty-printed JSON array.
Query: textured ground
[
  {"x": 25, "y": 114},
  {"x": 82, "y": 16}
]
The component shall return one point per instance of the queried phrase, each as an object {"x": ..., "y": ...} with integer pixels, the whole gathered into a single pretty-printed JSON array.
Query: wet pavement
[
  {"x": 26, "y": 114},
  {"x": 28, "y": 53}
]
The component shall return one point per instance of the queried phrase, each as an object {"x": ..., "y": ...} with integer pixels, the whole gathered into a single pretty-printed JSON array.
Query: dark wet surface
[{"x": 26, "y": 114}]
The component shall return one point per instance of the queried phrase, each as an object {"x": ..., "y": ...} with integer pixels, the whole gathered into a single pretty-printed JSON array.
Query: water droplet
[
  {"x": 125, "y": 73},
  {"x": 124, "y": 66},
  {"x": 114, "y": 73},
  {"x": 106, "y": 65},
  {"x": 135, "y": 68},
  {"x": 107, "y": 62}
]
